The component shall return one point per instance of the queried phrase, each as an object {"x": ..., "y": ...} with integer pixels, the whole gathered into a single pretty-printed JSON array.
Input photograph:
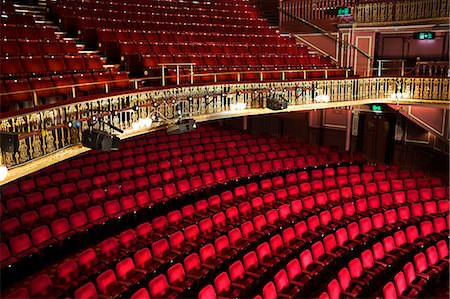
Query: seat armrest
[
  {"x": 381, "y": 264},
  {"x": 427, "y": 277}
]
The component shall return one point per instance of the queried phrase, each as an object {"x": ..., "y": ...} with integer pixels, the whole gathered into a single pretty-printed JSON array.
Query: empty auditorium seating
[{"x": 241, "y": 239}]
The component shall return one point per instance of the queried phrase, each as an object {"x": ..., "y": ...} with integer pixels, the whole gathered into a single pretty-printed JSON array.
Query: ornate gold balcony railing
[
  {"x": 403, "y": 11},
  {"x": 369, "y": 11},
  {"x": 46, "y": 131}
]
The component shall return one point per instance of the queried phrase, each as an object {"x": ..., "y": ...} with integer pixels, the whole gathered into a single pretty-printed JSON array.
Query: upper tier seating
[
  {"x": 219, "y": 37},
  {"x": 35, "y": 56}
]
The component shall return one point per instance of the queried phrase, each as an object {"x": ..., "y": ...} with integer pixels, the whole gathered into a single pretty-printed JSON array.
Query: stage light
[
  {"x": 78, "y": 124},
  {"x": 69, "y": 124},
  {"x": 142, "y": 123},
  {"x": 100, "y": 140},
  {"x": 323, "y": 98},
  {"x": 399, "y": 95},
  {"x": 3, "y": 172},
  {"x": 181, "y": 126},
  {"x": 238, "y": 106}
]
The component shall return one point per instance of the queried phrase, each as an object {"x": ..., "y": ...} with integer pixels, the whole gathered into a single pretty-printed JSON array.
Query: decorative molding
[{"x": 440, "y": 133}]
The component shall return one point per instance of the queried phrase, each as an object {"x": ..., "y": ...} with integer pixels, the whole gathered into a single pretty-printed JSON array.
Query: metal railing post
[{"x": 163, "y": 75}]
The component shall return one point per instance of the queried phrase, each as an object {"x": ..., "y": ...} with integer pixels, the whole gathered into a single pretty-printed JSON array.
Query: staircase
[
  {"x": 268, "y": 10},
  {"x": 39, "y": 11}
]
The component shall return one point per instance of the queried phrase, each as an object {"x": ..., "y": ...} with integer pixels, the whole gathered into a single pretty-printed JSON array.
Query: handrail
[
  {"x": 199, "y": 75},
  {"x": 326, "y": 33},
  {"x": 401, "y": 12},
  {"x": 47, "y": 131}
]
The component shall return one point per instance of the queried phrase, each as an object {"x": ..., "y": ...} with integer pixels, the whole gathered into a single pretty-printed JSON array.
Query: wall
[
  {"x": 324, "y": 127},
  {"x": 412, "y": 147},
  {"x": 404, "y": 46}
]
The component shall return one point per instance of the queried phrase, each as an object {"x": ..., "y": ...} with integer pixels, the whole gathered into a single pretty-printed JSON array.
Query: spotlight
[
  {"x": 142, "y": 123},
  {"x": 3, "y": 172},
  {"x": 238, "y": 106},
  {"x": 78, "y": 124},
  {"x": 9, "y": 142},
  {"x": 136, "y": 107},
  {"x": 94, "y": 118},
  {"x": 182, "y": 126},
  {"x": 276, "y": 104},
  {"x": 70, "y": 124},
  {"x": 155, "y": 104},
  {"x": 323, "y": 98},
  {"x": 99, "y": 140}
]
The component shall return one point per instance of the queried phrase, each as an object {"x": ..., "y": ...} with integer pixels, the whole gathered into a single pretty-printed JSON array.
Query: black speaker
[
  {"x": 99, "y": 140},
  {"x": 9, "y": 142},
  {"x": 277, "y": 104},
  {"x": 181, "y": 127}
]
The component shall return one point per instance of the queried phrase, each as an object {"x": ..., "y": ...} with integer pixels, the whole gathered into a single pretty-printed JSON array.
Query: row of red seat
[
  {"x": 27, "y": 47},
  {"x": 17, "y": 67},
  {"x": 51, "y": 195},
  {"x": 123, "y": 27},
  {"x": 24, "y": 31},
  {"x": 143, "y": 23},
  {"x": 127, "y": 202},
  {"x": 413, "y": 282},
  {"x": 311, "y": 263},
  {"x": 236, "y": 60},
  {"x": 187, "y": 47},
  {"x": 245, "y": 10},
  {"x": 110, "y": 250},
  {"x": 204, "y": 144},
  {"x": 60, "y": 86},
  {"x": 283, "y": 43},
  {"x": 259, "y": 225},
  {"x": 409, "y": 283},
  {"x": 155, "y": 16}
]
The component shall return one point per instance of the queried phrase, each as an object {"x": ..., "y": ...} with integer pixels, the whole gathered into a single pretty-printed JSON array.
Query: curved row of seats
[
  {"x": 410, "y": 282},
  {"x": 34, "y": 56},
  {"x": 213, "y": 218},
  {"x": 174, "y": 181},
  {"x": 128, "y": 204},
  {"x": 164, "y": 152},
  {"x": 120, "y": 32},
  {"x": 113, "y": 209},
  {"x": 141, "y": 199}
]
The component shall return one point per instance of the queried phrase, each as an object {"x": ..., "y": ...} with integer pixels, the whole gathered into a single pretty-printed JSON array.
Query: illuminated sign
[
  {"x": 376, "y": 108},
  {"x": 343, "y": 11},
  {"x": 424, "y": 35}
]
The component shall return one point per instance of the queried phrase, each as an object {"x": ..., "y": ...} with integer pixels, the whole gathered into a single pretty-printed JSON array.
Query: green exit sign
[
  {"x": 424, "y": 35},
  {"x": 344, "y": 11},
  {"x": 376, "y": 108}
]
